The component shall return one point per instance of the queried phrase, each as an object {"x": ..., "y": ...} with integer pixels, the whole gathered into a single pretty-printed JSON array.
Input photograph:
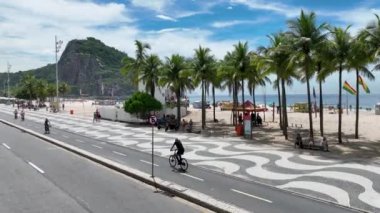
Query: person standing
[{"x": 47, "y": 126}]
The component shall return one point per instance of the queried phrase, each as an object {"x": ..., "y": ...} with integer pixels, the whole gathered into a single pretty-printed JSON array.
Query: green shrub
[{"x": 141, "y": 104}]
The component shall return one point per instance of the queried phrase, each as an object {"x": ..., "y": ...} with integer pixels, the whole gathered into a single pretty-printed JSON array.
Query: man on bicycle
[{"x": 180, "y": 150}]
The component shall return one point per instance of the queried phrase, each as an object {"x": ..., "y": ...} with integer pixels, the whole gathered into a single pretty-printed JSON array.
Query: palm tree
[
  {"x": 150, "y": 71},
  {"x": 268, "y": 64},
  {"x": 229, "y": 79},
  {"x": 203, "y": 66},
  {"x": 241, "y": 62},
  {"x": 176, "y": 76},
  {"x": 372, "y": 36},
  {"x": 257, "y": 76},
  {"x": 360, "y": 56},
  {"x": 341, "y": 44},
  {"x": 40, "y": 87},
  {"x": 28, "y": 82},
  {"x": 278, "y": 61},
  {"x": 51, "y": 91},
  {"x": 324, "y": 68},
  {"x": 307, "y": 36},
  {"x": 132, "y": 67},
  {"x": 64, "y": 88},
  {"x": 216, "y": 82}
]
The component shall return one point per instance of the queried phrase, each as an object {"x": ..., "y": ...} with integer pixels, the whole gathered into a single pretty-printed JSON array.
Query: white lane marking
[
  {"x": 65, "y": 136},
  {"x": 249, "y": 195},
  {"x": 99, "y": 147},
  {"x": 119, "y": 153},
  {"x": 80, "y": 141},
  {"x": 147, "y": 162},
  {"x": 36, "y": 168},
  {"x": 196, "y": 178},
  {"x": 6, "y": 146}
]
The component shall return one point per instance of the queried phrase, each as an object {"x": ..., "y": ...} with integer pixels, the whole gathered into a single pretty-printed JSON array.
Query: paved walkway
[{"x": 323, "y": 175}]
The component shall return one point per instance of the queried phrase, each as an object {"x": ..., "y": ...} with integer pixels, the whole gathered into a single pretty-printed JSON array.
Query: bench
[
  {"x": 320, "y": 144},
  {"x": 296, "y": 125}
]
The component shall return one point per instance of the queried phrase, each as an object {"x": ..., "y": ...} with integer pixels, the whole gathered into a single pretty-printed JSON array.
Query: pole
[
  {"x": 152, "y": 151},
  {"x": 9, "y": 68},
  {"x": 273, "y": 111},
  {"x": 347, "y": 102},
  {"x": 57, "y": 47},
  {"x": 265, "y": 101},
  {"x": 56, "y": 68}
]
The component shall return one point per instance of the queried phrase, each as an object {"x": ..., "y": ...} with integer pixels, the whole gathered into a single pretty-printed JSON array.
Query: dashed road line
[
  {"x": 253, "y": 196},
  {"x": 65, "y": 136},
  {"x": 150, "y": 163},
  {"x": 80, "y": 141},
  {"x": 196, "y": 178},
  {"x": 36, "y": 168},
  {"x": 119, "y": 153},
  {"x": 99, "y": 147},
  {"x": 6, "y": 146}
]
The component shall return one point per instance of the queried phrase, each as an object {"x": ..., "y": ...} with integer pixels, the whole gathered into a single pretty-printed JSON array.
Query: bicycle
[{"x": 173, "y": 161}]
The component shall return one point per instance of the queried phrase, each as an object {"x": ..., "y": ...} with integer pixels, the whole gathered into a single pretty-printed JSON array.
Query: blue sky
[{"x": 27, "y": 28}]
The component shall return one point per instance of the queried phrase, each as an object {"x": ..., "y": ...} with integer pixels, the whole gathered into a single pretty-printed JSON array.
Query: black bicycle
[{"x": 173, "y": 161}]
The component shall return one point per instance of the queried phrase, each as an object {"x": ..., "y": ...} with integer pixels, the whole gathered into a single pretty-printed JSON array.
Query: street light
[
  {"x": 57, "y": 47},
  {"x": 9, "y": 69}
]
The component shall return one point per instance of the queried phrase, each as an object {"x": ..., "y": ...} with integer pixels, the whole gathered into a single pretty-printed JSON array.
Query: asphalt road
[
  {"x": 39, "y": 177},
  {"x": 248, "y": 195}
]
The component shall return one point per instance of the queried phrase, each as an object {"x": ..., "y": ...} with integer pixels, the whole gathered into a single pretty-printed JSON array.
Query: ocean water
[{"x": 366, "y": 100}]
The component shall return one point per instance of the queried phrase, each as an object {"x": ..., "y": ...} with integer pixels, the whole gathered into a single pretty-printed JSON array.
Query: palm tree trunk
[
  {"x": 340, "y": 105},
  {"x": 213, "y": 100},
  {"x": 203, "y": 105},
  {"x": 279, "y": 101},
  {"x": 320, "y": 108},
  {"x": 242, "y": 94},
  {"x": 357, "y": 105},
  {"x": 285, "y": 126},
  {"x": 152, "y": 90},
  {"x": 254, "y": 102},
  {"x": 320, "y": 100},
  {"x": 309, "y": 98},
  {"x": 236, "y": 103},
  {"x": 178, "y": 93}
]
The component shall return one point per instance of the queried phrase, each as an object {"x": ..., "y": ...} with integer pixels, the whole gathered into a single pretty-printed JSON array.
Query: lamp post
[
  {"x": 57, "y": 47},
  {"x": 9, "y": 68}
]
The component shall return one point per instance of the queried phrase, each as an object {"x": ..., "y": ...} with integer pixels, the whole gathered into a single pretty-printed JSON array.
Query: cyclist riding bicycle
[{"x": 180, "y": 150}]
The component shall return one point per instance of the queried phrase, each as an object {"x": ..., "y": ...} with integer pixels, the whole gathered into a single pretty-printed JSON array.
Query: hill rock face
[
  {"x": 93, "y": 68},
  {"x": 89, "y": 67}
]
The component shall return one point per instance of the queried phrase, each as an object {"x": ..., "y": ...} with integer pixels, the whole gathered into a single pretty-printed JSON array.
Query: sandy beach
[
  {"x": 367, "y": 146},
  {"x": 369, "y": 123}
]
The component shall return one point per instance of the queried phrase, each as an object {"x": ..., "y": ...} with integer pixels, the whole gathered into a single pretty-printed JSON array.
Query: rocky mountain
[{"x": 89, "y": 66}]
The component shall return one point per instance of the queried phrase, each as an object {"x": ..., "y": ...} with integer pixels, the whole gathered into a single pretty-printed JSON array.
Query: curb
[{"x": 185, "y": 193}]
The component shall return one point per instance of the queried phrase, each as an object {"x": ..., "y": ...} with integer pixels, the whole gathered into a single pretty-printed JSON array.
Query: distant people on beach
[
  {"x": 96, "y": 116},
  {"x": 259, "y": 120},
  {"x": 240, "y": 118}
]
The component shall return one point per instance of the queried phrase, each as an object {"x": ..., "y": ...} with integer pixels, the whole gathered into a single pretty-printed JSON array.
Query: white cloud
[
  {"x": 224, "y": 24},
  {"x": 358, "y": 18},
  {"x": 27, "y": 36},
  {"x": 156, "y": 5},
  {"x": 167, "y": 18},
  {"x": 277, "y": 7},
  {"x": 28, "y": 28},
  {"x": 229, "y": 8},
  {"x": 184, "y": 41}
]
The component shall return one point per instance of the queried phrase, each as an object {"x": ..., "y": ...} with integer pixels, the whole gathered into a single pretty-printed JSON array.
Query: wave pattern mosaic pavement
[{"x": 341, "y": 181}]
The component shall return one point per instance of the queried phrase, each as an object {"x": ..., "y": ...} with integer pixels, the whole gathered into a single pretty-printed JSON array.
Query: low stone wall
[{"x": 118, "y": 114}]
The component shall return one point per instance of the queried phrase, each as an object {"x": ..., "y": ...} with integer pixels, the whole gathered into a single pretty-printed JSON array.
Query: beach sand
[{"x": 368, "y": 144}]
